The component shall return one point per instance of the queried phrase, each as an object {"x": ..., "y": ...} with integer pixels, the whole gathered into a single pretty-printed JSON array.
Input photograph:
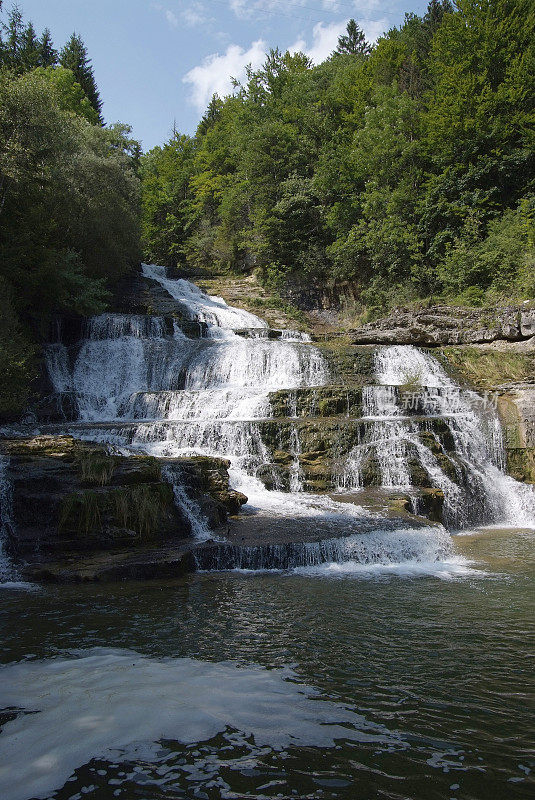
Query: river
[
  {"x": 385, "y": 661},
  {"x": 360, "y": 684}
]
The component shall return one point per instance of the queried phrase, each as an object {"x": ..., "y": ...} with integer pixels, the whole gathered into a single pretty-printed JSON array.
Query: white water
[
  {"x": 483, "y": 491},
  {"x": 118, "y": 704},
  {"x": 203, "y": 307},
  {"x": 402, "y": 551},
  {"x": 181, "y": 396},
  {"x": 190, "y": 509},
  {"x": 7, "y": 573}
]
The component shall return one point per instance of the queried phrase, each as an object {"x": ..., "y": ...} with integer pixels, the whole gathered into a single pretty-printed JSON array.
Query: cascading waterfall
[
  {"x": 408, "y": 547},
  {"x": 141, "y": 383},
  {"x": 190, "y": 509},
  {"x": 202, "y": 307}
]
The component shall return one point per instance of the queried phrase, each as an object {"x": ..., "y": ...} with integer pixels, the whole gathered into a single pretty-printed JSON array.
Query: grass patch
[
  {"x": 138, "y": 508},
  {"x": 96, "y": 467},
  {"x": 486, "y": 369},
  {"x": 412, "y": 381}
]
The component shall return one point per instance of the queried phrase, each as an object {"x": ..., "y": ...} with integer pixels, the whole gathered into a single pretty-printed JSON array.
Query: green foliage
[
  {"x": 68, "y": 93},
  {"x": 69, "y": 197},
  {"x": 404, "y": 170},
  {"x": 17, "y": 358},
  {"x": 500, "y": 265},
  {"x": 74, "y": 57}
]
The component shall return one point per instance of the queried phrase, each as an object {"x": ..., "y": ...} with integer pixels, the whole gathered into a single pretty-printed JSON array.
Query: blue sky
[{"x": 157, "y": 62}]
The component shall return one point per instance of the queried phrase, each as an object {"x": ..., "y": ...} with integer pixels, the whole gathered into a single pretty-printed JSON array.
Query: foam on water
[
  {"x": 450, "y": 568},
  {"x": 114, "y": 704}
]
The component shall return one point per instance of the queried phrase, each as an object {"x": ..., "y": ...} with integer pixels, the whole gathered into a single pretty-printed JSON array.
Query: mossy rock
[
  {"x": 349, "y": 365},
  {"x": 521, "y": 463}
]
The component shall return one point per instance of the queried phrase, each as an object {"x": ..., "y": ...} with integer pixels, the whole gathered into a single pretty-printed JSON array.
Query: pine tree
[
  {"x": 211, "y": 115},
  {"x": 48, "y": 55},
  {"x": 14, "y": 32},
  {"x": 74, "y": 57},
  {"x": 353, "y": 42},
  {"x": 29, "y": 49}
]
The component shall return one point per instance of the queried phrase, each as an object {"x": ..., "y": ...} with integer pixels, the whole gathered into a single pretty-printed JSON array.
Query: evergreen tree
[
  {"x": 74, "y": 57},
  {"x": 29, "y": 49},
  {"x": 211, "y": 115},
  {"x": 48, "y": 55},
  {"x": 353, "y": 42},
  {"x": 13, "y": 38}
]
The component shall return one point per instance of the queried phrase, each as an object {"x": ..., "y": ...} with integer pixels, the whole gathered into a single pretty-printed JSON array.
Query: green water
[{"x": 444, "y": 667}]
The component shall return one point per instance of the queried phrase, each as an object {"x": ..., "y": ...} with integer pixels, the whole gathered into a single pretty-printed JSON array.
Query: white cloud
[
  {"x": 194, "y": 14},
  {"x": 324, "y": 41},
  {"x": 247, "y": 9},
  {"x": 373, "y": 28},
  {"x": 171, "y": 18},
  {"x": 216, "y": 71},
  {"x": 191, "y": 15},
  {"x": 238, "y": 6},
  {"x": 325, "y": 37}
]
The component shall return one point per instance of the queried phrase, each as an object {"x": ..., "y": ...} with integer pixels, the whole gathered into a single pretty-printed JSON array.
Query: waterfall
[
  {"x": 482, "y": 492},
  {"x": 141, "y": 383},
  {"x": 402, "y": 548},
  {"x": 190, "y": 509},
  {"x": 296, "y": 473},
  {"x": 6, "y": 519},
  {"x": 202, "y": 307}
]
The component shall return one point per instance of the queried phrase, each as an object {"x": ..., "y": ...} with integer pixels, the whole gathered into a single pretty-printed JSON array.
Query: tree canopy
[
  {"x": 69, "y": 199},
  {"x": 395, "y": 167}
]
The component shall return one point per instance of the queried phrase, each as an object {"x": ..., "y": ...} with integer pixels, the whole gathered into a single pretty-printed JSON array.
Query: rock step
[{"x": 74, "y": 495}]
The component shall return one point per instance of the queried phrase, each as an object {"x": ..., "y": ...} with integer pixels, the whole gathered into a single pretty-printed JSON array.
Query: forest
[
  {"x": 394, "y": 173},
  {"x": 69, "y": 197},
  {"x": 402, "y": 171}
]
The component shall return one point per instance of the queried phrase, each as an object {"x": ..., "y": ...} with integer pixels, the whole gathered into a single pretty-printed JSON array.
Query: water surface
[{"x": 345, "y": 684}]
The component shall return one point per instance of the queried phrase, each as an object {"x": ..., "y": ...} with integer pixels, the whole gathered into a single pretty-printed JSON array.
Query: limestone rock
[{"x": 449, "y": 325}]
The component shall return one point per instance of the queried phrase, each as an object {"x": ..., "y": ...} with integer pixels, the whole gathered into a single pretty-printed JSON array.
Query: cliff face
[
  {"x": 516, "y": 406},
  {"x": 448, "y": 325}
]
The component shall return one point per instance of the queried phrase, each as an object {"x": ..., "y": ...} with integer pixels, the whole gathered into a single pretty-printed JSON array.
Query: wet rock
[
  {"x": 71, "y": 496},
  {"x": 516, "y": 407}
]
